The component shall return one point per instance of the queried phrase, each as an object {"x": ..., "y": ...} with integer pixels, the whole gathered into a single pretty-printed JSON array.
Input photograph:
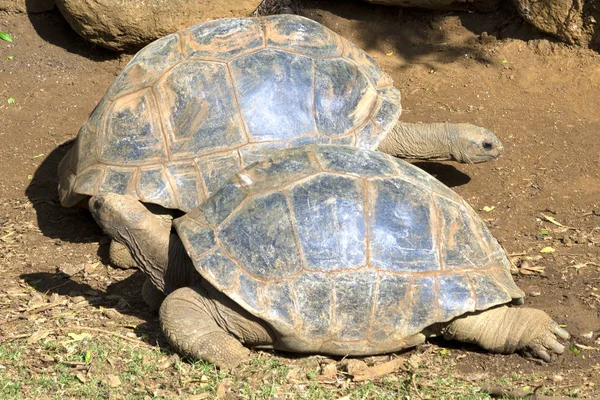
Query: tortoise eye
[
  {"x": 487, "y": 145},
  {"x": 98, "y": 204}
]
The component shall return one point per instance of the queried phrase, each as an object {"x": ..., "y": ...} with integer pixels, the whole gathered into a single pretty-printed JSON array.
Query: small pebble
[
  {"x": 355, "y": 366},
  {"x": 588, "y": 335},
  {"x": 328, "y": 370},
  {"x": 77, "y": 299},
  {"x": 535, "y": 294}
]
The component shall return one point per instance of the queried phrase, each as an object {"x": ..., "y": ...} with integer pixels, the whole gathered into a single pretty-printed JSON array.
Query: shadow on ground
[
  {"x": 53, "y": 28},
  {"x": 445, "y": 173},
  {"x": 75, "y": 224},
  {"x": 122, "y": 296},
  {"x": 422, "y": 36}
]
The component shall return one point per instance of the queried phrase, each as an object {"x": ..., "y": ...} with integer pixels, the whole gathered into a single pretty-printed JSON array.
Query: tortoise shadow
[
  {"x": 73, "y": 225},
  {"x": 54, "y": 29},
  {"x": 445, "y": 173},
  {"x": 125, "y": 299}
]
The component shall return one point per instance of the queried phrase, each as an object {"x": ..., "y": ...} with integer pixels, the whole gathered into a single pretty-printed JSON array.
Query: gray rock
[
  {"x": 565, "y": 19},
  {"x": 130, "y": 25}
]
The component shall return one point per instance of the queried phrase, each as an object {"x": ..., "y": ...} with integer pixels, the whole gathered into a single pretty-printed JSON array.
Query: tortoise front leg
[
  {"x": 151, "y": 295},
  {"x": 506, "y": 330},
  {"x": 204, "y": 324},
  {"x": 120, "y": 256}
]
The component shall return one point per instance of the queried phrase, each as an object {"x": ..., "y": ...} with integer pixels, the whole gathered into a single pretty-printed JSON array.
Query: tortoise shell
[
  {"x": 336, "y": 246},
  {"x": 193, "y": 108}
]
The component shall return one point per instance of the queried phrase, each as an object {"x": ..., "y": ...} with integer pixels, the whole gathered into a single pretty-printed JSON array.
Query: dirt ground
[{"x": 540, "y": 97}]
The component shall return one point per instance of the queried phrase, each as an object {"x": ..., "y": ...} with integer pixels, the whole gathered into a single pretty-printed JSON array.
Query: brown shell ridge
[
  {"x": 172, "y": 185},
  {"x": 203, "y": 186},
  {"x": 373, "y": 306},
  {"x": 296, "y": 237},
  {"x": 157, "y": 117},
  {"x": 237, "y": 104}
]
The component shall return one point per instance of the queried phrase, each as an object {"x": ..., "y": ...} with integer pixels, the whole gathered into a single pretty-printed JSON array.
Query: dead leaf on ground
[
  {"x": 37, "y": 336},
  {"x": 553, "y": 220}
]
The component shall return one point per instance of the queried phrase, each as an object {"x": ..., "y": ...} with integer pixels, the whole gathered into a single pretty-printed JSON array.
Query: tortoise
[
  {"x": 328, "y": 249},
  {"x": 194, "y": 107}
]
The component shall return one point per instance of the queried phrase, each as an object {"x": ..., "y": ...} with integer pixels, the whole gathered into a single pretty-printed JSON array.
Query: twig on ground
[
  {"x": 84, "y": 328},
  {"x": 378, "y": 370}
]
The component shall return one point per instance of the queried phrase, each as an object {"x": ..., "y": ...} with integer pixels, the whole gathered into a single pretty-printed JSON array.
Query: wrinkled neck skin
[
  {"x": 434, "y": 141},
  {"x": 161, "y": 256}
]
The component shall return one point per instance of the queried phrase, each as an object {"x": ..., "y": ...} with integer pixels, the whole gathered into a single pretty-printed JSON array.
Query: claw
[
  {"x": 558, "y": 331},
  {"x": 553, "y": 345},
  {"x": 540, "y": 352}
]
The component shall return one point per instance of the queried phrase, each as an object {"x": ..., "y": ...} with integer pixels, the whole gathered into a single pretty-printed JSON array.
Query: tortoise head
[
  {"x": 473, "y": 144},
  {"x": 127, "y": 221},
  {"x": 119, "y": 216}
]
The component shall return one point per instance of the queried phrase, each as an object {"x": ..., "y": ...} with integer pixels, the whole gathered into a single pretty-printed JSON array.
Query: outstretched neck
[{"x": 431, "y": 141}]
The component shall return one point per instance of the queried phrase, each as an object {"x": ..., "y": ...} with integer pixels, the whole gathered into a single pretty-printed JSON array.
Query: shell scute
[
  {"x": 354, "y": 300},
  {"x": 314, "y": 304},
  {"x": 117, "y": 180},
  {"x": 400, "y": 227},
  {"x": 214, "y": 210},
  {"x": 185, "y": 178},
  {"x": 133, "y": 134},
  {"x": 146, "y": 66},
  {"x": 266, "y": 247},
  {"x": 388, "y": 316},
  {"x": 344, "y": 96},
  {"x": 330, "y": 221},
  {"x": 302, "y": 35},
  {"x": 277, "y": 171},
  {"x": 275, "y": 94},
  {"x": 364, "y": 164},
  {"x": 154, "y": 186},
  {"x": 199, "y": 110},
  {"x": 454, "y": 296},
  {"x": 223, "y": 39},
  {"x": 216, "y": 169}
]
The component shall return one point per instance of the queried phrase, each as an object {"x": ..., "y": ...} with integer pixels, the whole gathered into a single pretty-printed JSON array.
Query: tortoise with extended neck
[
  {"x": 194, "y": 107},
  {"x": 328, "y": 249}
]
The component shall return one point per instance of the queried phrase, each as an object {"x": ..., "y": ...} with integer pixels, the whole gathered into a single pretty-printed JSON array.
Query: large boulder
[
  {"x": 130, "y": 25},
  {"x": 26, "y": 6},
  {"x": 568, "y": 20},
  {"x": 479, "y": 5}
]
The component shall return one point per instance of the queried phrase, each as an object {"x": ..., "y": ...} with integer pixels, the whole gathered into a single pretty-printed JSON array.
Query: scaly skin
[
  {"x": 464, "y": 143},
  {"x": 506, "y": 330}
]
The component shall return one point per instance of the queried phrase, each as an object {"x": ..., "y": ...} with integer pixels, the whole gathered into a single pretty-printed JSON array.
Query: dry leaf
[
  {"x": 37, "y": 336},
  {"x": 200, "y": 396},
  {"x": 584, "y": 347},
  {"x": 553, "y": 220},
  {"x": 113, "y": 380},
  {"x": 78, "y": 337}
]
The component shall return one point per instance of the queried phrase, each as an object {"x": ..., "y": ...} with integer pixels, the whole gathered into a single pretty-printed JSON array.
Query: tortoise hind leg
[
  {"x": 506, "y": 330},
  {"x": 204, "y": 324}
]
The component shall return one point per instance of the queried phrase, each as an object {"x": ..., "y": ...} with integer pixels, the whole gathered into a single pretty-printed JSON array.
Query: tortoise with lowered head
[
  {"x": 328, "y": 249},
  {"x": 194, "y": 107}
]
